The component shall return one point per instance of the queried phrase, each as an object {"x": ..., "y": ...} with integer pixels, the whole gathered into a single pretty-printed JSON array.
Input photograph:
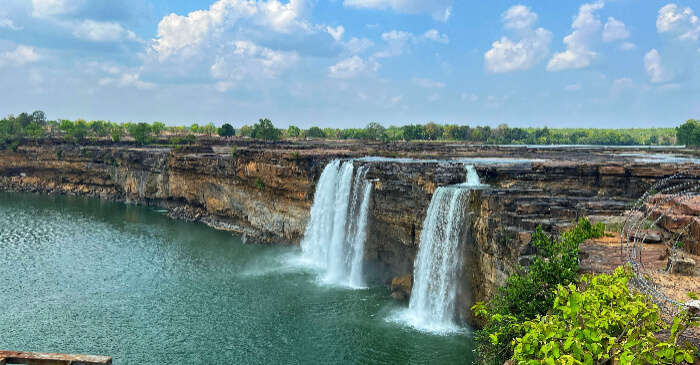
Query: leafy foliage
[
  {"x": 689, "y": 133},
  {"x": 264, "y": 129},
  {"x": 532, "y": 293},
  {"x": 602, "y": 321},
  {"x": 227, "y": 130},
  {"x": 141, "y": 133}
]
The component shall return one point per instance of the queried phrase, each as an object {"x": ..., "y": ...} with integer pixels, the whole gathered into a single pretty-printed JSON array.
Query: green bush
[
  {"x": 602, "y": 321},
  {"x": 531, "y": 292},
  {"x": 227, "y": 130}
]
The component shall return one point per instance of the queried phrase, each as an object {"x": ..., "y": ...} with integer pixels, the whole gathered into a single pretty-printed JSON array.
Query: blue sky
[{"x": 345, "y": 63}]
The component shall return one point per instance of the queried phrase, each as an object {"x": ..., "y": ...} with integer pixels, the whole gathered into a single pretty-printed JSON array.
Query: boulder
[
  {"x": 401, "y": 287},
  {"x": 646, "y": 236},
  {"x": 693, "y": 307},
  {"x": 681, "y": 265}
]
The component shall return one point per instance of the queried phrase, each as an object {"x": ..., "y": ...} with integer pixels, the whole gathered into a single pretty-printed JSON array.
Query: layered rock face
[{"x": 265, "y": 190}]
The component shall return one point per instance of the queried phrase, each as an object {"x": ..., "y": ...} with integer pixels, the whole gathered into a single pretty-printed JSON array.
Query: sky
[{"x": 346, "y": 63}]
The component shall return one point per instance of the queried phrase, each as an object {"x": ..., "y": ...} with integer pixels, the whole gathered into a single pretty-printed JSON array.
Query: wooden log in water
[{"x": 37, "y": 358}]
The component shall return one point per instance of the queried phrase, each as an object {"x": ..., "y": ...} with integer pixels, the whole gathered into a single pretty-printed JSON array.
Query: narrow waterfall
[
  {"x": 335, "y": 236},
  {"x": 434, "y": 293},
  {"x": 472, "y": 177}
]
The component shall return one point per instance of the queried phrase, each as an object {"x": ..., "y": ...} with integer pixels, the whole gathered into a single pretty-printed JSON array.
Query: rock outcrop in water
[{"x": 265, "y": 190}]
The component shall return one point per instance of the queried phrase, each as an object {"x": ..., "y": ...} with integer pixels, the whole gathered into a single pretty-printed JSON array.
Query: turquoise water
[{"x": 86, "y": 276}]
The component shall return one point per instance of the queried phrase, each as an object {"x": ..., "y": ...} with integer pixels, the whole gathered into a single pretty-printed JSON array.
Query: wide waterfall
[{"x": 335, "y": 236}]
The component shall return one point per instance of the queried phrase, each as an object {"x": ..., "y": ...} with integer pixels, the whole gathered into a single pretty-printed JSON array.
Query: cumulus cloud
[
  {"x": 250, "y": 61},
  {"x": 352, "y": 67},
  {"x": 529, "y": 47},
  {"x": 586, "y": 28},
  {"x": 656, "y": 71},
  {"x": 679, "y": 22},
  {"x": 102, "y": 31},
  {"x": 436, "y": 36},
  {"x": 628, "y": 46},
  {"x": 614, "y": 30},
  {"x": 20, "y": 56},
  {"x": 183, "y": 34},
  {"x": 440, "y": 9},
  {"x": 398, "y": 40}
]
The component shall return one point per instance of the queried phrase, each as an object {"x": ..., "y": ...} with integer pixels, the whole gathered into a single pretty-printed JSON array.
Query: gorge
[{"x": 370, "y": 211}]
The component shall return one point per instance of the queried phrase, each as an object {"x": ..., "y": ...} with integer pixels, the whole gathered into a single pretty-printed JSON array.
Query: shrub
[
  {"x": 227, "y": 130},
  {"x": 259, "y": 183},
  {"x": 602, "y": 321},
  {"x": 531, "y": 293},
  {"x": 141, "y": 133}
]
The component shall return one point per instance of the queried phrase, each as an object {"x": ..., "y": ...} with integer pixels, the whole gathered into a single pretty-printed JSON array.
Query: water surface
[{"x": 86, "y": 276}]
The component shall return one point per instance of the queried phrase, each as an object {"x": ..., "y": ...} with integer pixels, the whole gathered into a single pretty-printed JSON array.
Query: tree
[
  {"x": 209, "y": 129},
  {"x": 433, "y": 131},
  {"x": 315, "y": 132},
  {"x": 375, "y": 131},
  {"x": 39, "y": 118},
  {"x": 264, "y": 129},
  {"x": 227, "y": 130},
  {"x": 141, "y": 133},
  {"x": 293, "y": 131},
  {"x": 158, "y": 128},
  {"x": 689, "y": 133}
]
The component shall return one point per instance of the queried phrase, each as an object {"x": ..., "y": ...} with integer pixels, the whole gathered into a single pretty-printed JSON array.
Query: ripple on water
[{"x": 84, "y": 276}]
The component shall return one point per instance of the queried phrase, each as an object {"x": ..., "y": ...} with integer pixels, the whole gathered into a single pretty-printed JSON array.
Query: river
[{"x": 87, "y": 276}]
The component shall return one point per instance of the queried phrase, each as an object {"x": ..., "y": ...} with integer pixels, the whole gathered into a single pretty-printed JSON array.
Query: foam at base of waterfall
[
  {"x": 408, "y": 318},
  {"x": 334, "y": 239}
]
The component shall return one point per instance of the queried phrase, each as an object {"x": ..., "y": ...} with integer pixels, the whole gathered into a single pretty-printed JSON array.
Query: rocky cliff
[{"x": 265, "y": 190}]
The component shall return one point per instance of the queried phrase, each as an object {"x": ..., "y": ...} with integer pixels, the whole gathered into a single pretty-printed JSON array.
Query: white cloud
[
  {"x": 352, "y": 67},
  {"x": 337, "y": 32},
  {"x": 621, "y": 84},
  {"x": 398, "y": 40},
  {"x": 519, "y": 17},
  {"x": 436, "y": 36},
  {"x": 49, "y": 8},
  {"x": 656, "y": 71},
  {"x": 428, "y": 83},
  {"x": 183, "y": 34},
  {"x": 250, "y": 61},
  {"x": 9, "y": 24},
  {"x": 20, "y": 56},
  {"x": 578, "y": 54},
  {"x": 628, "y": 46},
  {"x": 440, "y": 9},
  {"x": 530, "y": 47},
  {"x": 358, "y": 45},
  {"x": 614, "y": 30},
  {"x": 679, "y": 22},
  {"x": 102, "y": 31},
  {"x": 126, "y": 80}
]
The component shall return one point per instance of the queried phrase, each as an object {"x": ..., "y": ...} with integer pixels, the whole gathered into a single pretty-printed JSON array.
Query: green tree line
[{"x": 15, "y": 129}]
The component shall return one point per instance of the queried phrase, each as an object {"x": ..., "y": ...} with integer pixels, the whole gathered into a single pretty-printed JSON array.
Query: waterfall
[
  {"x": 434, "y": 293},
  {"x": 472, "y": 177},
  {"x": 335, "y": 236}
]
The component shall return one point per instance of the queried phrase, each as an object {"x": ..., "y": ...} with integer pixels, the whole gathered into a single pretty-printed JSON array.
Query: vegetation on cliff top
[
  {"x": 15, "y": 129},
  {"x": 546, "y": 314}
]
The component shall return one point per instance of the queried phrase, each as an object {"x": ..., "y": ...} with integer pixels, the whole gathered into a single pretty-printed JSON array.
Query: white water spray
[
  {"x": 472, "y": 177},
  {"x": 335, "y": 236}
]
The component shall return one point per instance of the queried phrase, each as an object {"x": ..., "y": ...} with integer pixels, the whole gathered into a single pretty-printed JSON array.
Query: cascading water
[
  {"x": 472, "y": 177},
  {"x": 335, "y": 236},
  {"x": 435, "y": 274}
]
